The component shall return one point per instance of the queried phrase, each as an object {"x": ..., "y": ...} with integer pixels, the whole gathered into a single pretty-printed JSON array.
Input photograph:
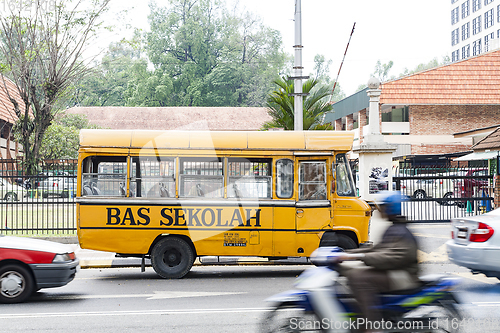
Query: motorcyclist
[{"x": 389, "y": 265}]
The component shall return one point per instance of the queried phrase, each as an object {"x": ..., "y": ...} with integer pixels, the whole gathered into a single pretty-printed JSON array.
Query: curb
[{"x": 205, "y": 261}]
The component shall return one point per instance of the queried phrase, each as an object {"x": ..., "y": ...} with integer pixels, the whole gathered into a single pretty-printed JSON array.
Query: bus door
[{"x": 313, "y": 208}]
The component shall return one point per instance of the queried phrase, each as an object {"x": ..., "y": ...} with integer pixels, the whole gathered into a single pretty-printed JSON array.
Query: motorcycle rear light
[{"x": 482, "y": 233}]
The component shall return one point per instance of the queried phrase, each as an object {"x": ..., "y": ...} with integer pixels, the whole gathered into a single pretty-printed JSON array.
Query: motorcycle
[{"x": 432, "y": 307}]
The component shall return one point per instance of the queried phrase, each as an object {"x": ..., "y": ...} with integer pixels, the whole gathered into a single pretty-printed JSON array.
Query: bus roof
[{"x": 226, "y": 140}]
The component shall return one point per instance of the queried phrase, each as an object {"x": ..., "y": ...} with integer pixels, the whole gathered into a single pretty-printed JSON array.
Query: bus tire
[
  {"x": 172, "y": 258},
  {"x": 346, "y": 242},
  {"x": 340, "y": 240}
]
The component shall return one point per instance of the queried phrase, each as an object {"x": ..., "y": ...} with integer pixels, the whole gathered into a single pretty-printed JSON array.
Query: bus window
[
  {"x": 106, "y": 176},
  {"x": 201, "y": 177},
  {"x": 249, "y": 178},
  {"x": 312, "y": 180},
  {"x": 284, "y": 178},
  {"x": 345, "y": 185},
  {"x": 154, "y": 178}
]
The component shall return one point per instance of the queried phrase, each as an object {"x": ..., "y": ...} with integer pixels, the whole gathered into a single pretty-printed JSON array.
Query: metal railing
[
  {"x": 42, "y": 204},
  {"x": 440, "y": 194}
]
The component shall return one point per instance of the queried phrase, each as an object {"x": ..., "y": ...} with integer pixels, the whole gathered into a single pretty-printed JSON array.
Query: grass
[{"x": 43, "y": 219}]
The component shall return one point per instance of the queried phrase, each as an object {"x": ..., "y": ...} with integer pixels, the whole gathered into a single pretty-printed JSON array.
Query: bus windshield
[{"x": 343, "y": 177}]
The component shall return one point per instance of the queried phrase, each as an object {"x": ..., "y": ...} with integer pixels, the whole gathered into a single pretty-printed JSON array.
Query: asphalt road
[{"x": 213, "y": 298}]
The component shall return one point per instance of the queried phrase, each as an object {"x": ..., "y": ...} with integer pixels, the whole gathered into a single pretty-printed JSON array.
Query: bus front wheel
[{"x": 172, "y": 258}]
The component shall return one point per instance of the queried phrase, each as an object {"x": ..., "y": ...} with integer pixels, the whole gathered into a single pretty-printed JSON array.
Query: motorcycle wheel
[{"x": 290, "y": 318}]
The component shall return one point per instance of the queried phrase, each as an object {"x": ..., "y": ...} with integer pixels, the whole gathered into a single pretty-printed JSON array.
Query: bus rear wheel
[{"x": 172, "y": 258}]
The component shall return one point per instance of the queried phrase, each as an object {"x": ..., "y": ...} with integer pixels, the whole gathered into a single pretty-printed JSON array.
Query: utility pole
[{"x": 297, "y": 90}]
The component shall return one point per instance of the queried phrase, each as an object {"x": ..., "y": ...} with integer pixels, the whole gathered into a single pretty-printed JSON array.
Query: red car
[{"x": 27, "y": 265}]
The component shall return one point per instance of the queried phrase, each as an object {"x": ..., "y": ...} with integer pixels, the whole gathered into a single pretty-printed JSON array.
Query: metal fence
[
  {"x": 440, "y": 194},
  {"x": 42, "y": 204}
]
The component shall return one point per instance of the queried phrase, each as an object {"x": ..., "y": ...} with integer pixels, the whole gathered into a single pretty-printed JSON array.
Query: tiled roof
[
  {"x": 6, "y": 108},
  {"x": 491, "y": 141},
  {"x": 180, "y": 118},
  {"x": 472, "y": 81}
]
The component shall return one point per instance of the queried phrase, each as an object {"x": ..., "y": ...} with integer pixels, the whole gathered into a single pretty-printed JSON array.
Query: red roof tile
[
  {"x": 6, "y": 108},
  {"x": 471, "y": 81}
]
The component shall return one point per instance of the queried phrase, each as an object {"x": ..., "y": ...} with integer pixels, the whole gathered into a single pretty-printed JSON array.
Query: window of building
[
  {"x": 466, "y": 9},
  {"x": 454, "y": 15},
  {"x": 498, "y": 13},
  {"x": 476, "y": 5},
  {"x": 498, "y": 33},
  {"x": 249, "y": 178},
  {"x": 454, "y": 55},
  {"x": 488, "y": 18},
  {"x": 397, "y": 115},
  {"x": 312, "y": 180},
  {"x": 476, "y": 47},
  {"x": 476, "y": 25},
  {"x": 454, "y": 37},
  {"x": 201, "y": 177},
  {"x": 487, "y": 2},
  {"x": 487, "y": 40},
  {"x": 453, "y": 1},
  {"x": 465, "y": 31},
  {"x": 466, "y": 51}
]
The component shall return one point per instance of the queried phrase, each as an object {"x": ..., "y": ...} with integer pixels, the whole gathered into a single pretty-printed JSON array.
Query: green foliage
[
  {"x": 281, "y": 106},
  {"x": 61, "y": 139},
  {"x": 382, "y": 70},
  {"x": 431, "y": 64},
  {"x": 42, "y": 55}
]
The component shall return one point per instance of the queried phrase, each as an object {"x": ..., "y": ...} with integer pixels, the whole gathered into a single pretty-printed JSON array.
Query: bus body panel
[{"x": 226, "y": 225}]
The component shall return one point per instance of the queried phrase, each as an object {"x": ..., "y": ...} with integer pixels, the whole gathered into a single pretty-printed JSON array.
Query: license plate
[{"x": 462, "y": 234}]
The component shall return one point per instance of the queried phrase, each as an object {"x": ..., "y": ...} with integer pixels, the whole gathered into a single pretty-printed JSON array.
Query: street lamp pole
[{"x": 298, "y": 105}]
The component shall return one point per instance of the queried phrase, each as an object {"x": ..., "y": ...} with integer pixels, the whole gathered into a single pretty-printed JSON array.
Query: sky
[{"x": 407, "y": 32}]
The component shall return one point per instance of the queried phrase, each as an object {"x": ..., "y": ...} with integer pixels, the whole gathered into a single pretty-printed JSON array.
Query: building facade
[
  {"x": 422, "y": 112},
  {"x": 475, "y": 27}
]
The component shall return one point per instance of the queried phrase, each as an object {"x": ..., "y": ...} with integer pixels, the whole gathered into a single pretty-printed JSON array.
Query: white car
[
  {"x": 27, "y": 265},
  {"x": 475, "y": 243},
  {"x": 10, "y": 192},
  {"x": 429, "y": 188}
]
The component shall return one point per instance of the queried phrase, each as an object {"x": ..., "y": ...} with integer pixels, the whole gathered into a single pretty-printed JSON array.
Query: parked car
[
  {"x": 475, "y": 243},
  {"x": 10, "y": 192},
  {"x": 27, "y": 265},
  {"x": 63, "y": 187},
  {"x": 429, "y": 188},
  {"x": 470, "y": 187}
]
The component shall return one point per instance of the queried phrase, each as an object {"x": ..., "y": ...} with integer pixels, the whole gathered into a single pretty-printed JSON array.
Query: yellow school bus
[{"x": 173, "y": 196}]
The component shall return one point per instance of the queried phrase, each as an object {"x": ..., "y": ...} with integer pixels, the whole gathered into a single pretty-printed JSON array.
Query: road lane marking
[
  {"x": 431, "y": 236},
  {"x": 156, "y": 295},
  {"x": 440, "y": 255},
  {"x": 128, "y": 313},
  {"x": 486, "y": 303},
  {"x": 478, "y": 277}
]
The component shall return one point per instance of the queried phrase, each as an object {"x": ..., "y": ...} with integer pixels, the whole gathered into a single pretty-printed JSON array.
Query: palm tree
[{"x": 281, "y": 106}]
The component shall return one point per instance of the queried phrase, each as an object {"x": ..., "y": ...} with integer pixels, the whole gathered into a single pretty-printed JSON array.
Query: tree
[
  {"x": 382, "y": 70},
  {"x": 204, "y": 55},
  {"x": 107, "y": 84},
  {"x": 424, "y": 66},
  {"x": 61, "y": 139},
  {"x": 43, "y": 54},
  {"x": 280, "y": 105}
]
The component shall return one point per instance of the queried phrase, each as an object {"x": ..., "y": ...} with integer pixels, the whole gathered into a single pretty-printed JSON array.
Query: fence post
[{"x": 497, "y": 191}]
